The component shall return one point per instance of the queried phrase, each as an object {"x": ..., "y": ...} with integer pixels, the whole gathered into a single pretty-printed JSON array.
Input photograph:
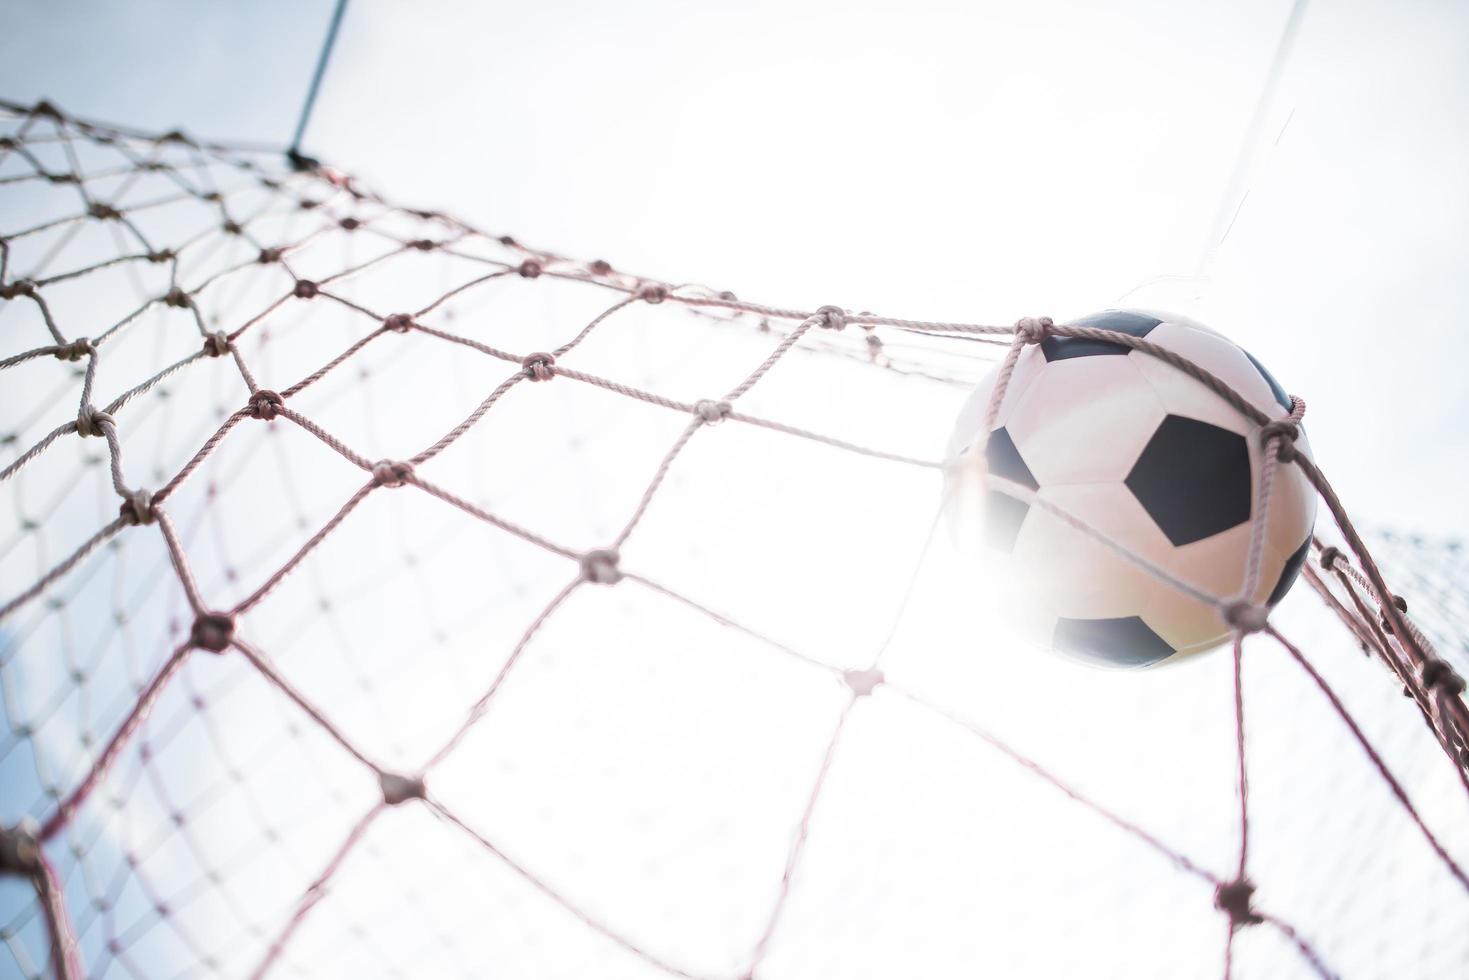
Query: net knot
[
  {"x": 539, "y": 366},
  {"x": 1283, "y": 432},
  {"x": 398, "y": 788},
  {"x": 832, "y": 317},
  {"x": 232, "y": 228},
  {"x": 1402, "y": 607},
  {"x": 530, "y": 269},
  {"x": 269, "y": 255},
  {"x": 177, "y": 298},
  {"x": 1033, "y": 329},
  {"x": 711, "y": 411},
  {"x": 654, "y": 293},
  {"x": 266, "y": 404},
  {"x": 1329, "y": 555},
  {"x": 349, "y": 224},
  {"x": 399, "y": 322},
  {"x": 600, "y": 267},
  {"x": 103, "y": 212},
  {"x": 863, "y": 682},
  {"x": 1244, "y": 616},
  {"x": 62, "y": 178},
  {"x": 1436, "y": 674},
  {"x": 217, "y": 344},
  {"x": 305, "y": 289},
  {"x": 76, "y": 350},
  {"x": 213, "y": 631},
  {"x": 46, "y": 108},
  {"x": 391, "y": 472},
  {"x": 600, "y": 566},
  {"x": 21, "y": 287},
  {"x": 90, "y": 421},
  {"x": 423, "y": 244},
  {"x": 137, "y": 507},
  {"x": 1234, "y": 899},
  {"x": 507, "y": 241},
  {"x": 20, "y": 848},
  {"x": 161, "y": 255},
  {"x": 300, "y": 162}
]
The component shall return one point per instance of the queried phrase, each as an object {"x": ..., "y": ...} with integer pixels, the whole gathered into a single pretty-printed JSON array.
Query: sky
[
  {"x": 961, "y": 161},
  {"x": 974, "y": 162}
]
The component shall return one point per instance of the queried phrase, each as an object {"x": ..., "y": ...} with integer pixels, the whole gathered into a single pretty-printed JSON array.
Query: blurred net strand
[
  {"x": 1435, "y": 700},
  {"x": 1433, "y": 684}
]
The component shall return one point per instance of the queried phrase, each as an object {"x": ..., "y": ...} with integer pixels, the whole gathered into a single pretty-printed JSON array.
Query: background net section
[
  {"x": 1434, "y": 570},
  {"x": 388, "y": 595}
]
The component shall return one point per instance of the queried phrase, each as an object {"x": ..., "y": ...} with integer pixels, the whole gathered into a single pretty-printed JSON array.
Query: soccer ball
[{"x": 1137, "y": 449}]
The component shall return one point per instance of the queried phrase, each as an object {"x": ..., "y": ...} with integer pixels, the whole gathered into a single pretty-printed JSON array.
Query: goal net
[{"x": 381, "y": 596}]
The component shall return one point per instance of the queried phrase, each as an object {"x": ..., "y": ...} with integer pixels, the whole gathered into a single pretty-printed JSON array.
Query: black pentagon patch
[
  {"x": 1289, "y": 572},
  {"x": 1193, "y": 479},
  {"x": 1002, "y": 519},
  {"x": 1280, "y": 393},
  {"x": 1123, "y": 642},
  {"x": 1003, "y": 460},
  {"x": 1003, "y": 514},
  {"x": 1136, "y": 324}
]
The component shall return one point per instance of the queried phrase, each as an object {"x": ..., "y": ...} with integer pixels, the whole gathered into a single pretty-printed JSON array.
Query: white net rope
[{"x": 384, "y": 597}]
